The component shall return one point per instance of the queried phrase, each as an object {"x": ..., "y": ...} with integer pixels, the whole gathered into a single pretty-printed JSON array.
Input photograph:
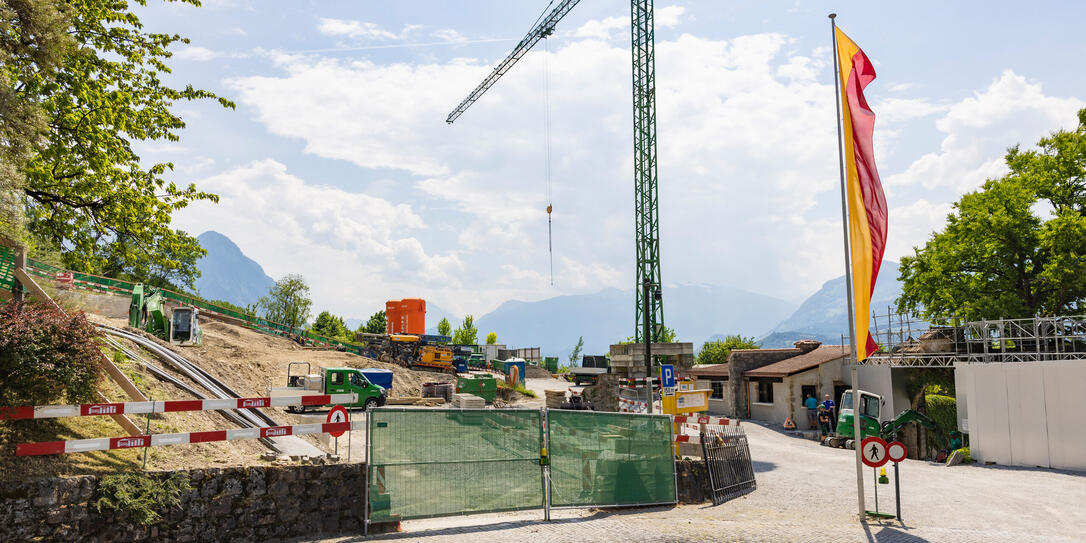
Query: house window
[
  {"x": 718, "y": 390},
  {"x": 765, "y": 391},
  {"x": 806, "y": 390}
]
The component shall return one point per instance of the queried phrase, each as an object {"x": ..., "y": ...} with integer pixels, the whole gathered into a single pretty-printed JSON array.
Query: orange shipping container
[
  {"x": 392, "y": 317},
  {"x": 413, "y": 316}
]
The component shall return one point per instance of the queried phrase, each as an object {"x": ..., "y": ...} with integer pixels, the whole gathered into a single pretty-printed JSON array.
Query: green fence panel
[
  {"x": 7, "y": 269},
  {"x": 604, "y": 459},
  {"x": 435, "y": 462}
]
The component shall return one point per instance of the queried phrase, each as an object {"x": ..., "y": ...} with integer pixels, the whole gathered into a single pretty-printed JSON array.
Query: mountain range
[
  {"x": 696, "y": 312},
  {"x": 227, "y": 274}
]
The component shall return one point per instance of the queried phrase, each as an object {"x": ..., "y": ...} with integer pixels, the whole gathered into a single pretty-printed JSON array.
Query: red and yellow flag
[{"x": 866, "y": 202}]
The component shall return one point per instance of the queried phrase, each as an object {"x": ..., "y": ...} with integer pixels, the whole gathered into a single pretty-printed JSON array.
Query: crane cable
[{"x": 547, "y": 153}]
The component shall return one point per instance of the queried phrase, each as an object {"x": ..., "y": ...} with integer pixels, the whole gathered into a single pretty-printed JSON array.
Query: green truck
[
  {"x": 871, "y": 424},
  {"x": 330, "y": 381}
]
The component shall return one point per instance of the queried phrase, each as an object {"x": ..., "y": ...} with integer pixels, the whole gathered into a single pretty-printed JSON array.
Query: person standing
[
  {"x": 812, "y": 411},
  {"x": 831, "y": 410},
  {"x": 823, "y": 422}
]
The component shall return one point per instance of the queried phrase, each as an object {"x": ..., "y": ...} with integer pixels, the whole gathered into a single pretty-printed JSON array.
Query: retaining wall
[{"x": 225, "y": 504}]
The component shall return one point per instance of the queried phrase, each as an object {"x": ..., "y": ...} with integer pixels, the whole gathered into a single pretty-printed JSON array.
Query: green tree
[
  {"x": 667, "y": 335},
  {"x": 576, "y": 354},
  {"x": 330, "y": 326},
  {"x": 491, "y": 338},
  {"x": 288, "y": 301},
  {"x": 467, "y": 334},
  {"x": 377, "y": 324},
  {"x": 443, "y": 327},
  {"x": 997, "y": 257},
  {"x": 717, "y": 351},
  {"x": 33, "y": 43},
  {"x": 86, "y": 191}
]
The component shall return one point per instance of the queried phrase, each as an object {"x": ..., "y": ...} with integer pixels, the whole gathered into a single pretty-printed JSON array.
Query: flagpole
[{"x": 856, "y": 414}]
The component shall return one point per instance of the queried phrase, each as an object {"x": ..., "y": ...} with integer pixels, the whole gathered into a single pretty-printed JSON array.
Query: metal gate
[{"x": 727, "y": 458}]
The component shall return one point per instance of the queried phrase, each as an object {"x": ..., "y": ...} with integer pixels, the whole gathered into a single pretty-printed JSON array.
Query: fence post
[
  {"x": 547, "y": 466},
  {"x": 20, "y": 264}
]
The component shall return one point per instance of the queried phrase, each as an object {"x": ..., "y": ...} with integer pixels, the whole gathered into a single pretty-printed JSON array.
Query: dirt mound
[{"x": 536, "y": 372}]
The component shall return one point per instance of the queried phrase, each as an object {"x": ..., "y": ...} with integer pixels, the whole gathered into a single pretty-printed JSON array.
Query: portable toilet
[{"x": 514, "y": 371}]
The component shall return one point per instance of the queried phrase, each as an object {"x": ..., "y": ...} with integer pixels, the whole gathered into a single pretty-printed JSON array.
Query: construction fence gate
[
  {"x": 438, "y": 462},
  {"x": 727, "y": 459}
]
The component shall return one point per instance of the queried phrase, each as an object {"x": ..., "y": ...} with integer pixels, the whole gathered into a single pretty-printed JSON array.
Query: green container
[
  {"x": 551, "y": 363},
  {"x": 482, "y": 385}
]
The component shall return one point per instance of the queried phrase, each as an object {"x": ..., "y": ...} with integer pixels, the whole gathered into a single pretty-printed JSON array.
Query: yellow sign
[{"x": 686, "y": 401}]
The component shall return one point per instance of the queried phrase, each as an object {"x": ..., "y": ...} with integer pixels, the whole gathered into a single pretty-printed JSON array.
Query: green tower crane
[{"x": 646, "y": 202}]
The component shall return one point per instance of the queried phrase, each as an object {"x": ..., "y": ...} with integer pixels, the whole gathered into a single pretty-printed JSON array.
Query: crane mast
[{"x": 646, "y": 204}]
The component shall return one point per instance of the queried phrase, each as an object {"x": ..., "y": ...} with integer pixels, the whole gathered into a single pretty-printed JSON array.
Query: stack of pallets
[
  {"x": 555, "y": 398},
  {"x": 468, "y": 401}
]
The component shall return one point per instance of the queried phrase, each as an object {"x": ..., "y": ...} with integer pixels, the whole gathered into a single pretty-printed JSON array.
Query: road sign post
[
  {"x": 873, "y": 452},
  {"x": 897, "y": 452},
  {"x": 338, "y": 414}
]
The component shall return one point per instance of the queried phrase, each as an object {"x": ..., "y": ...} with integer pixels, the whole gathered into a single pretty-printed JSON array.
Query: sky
[{"x": 337, "y": 162}]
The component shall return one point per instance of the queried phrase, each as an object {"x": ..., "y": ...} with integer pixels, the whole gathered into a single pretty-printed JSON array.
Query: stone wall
[
  {"x": 225, "y": 504},
  {"x": 693, "y": 481},
  {"x": 740, "y": 361}
]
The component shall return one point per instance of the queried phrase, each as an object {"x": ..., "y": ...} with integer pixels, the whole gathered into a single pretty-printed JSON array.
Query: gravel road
[{"x": 807, "y": 493}]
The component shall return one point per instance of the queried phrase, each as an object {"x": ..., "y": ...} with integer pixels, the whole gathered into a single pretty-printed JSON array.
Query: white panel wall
[{"x": 1025, "y": 413}]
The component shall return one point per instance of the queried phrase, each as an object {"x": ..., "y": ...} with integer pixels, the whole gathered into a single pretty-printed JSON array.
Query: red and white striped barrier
[
  {"x": 703, "y": 419},
  {"x": 159, "y": 440},
  {"x": 169, "y": 406},
  {"x": 632, "y": 406}
]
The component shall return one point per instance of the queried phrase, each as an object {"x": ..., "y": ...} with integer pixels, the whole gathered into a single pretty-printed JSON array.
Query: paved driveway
[{"x": 807, "y": 493}]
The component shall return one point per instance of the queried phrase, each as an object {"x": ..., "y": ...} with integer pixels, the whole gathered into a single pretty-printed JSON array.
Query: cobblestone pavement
[{"x": 807, "y": 493}]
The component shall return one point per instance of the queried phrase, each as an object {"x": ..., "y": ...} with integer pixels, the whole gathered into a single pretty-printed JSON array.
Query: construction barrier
[
  {"x": 159, "y": 440},
  {"x": 169, "y": 406}
]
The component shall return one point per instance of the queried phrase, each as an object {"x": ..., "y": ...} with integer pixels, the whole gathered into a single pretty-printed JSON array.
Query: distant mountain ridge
[
  {"x": 823, "y": 316},
  {"x": 227, "y": 274},
  {"x": 695, "y": 312}
]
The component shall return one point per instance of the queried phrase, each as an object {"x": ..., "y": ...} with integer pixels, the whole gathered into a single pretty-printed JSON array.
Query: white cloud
[
  {"x": 351, "y": 247},
  {"x": 195, "y": 53},
  {"x": 449, "y": 35},
  {"x": 978, "y": 130},
  {"x": 602, "y": 30},
  {"x": 667, "y": 16},
  {"x": 355, "y": 29},
  {"x": 747, "y": 158}
]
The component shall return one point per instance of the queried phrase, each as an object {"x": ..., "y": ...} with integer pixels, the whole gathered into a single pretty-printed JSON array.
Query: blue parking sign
[{"x": 667, "y": 375}]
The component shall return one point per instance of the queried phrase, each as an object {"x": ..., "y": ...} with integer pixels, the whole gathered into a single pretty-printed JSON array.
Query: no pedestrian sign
[
  {"x": 873, "y": 451},
  {"x": 338, "y": 414}
]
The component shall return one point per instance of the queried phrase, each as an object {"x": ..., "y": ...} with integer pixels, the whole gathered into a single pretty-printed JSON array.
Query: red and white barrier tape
[
  {"x": 169, "y": 406},
  {"x": 158, "y": 440},
  {"x": 703, "y": 419}
]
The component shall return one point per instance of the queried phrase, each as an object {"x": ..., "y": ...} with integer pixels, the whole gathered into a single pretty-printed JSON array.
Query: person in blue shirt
[
  {"x": 812, "y": 411},
  {"x": 831, "y": 408}
]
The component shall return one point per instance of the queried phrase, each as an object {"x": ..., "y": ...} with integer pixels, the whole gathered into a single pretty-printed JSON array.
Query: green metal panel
[
  {"x": 7, "y": 269},
  {"x": 601, "y": 459},
  {"x": 483, "y": 386},
  {"x": 435, "y": 462},
  {"x": 551, "y": 363},
  {"x": 646, "y": 205}
]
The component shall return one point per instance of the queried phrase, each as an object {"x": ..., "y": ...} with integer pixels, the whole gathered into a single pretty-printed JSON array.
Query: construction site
[{"x": 141, "y": 408}]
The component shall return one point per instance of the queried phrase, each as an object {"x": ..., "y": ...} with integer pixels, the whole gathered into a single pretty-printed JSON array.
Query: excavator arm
[{"x": 891, "y": 428}]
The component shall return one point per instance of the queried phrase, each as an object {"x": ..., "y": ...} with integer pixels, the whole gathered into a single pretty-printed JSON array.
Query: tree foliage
[
  {"x": 1015, "y": 248},
  {"x": 33, "y": 42},
  {"x": 330, "y": 326},
  {"x": 492, "y": 338},
  {"x": 86, "y": 190},
  {"x": 576, "y": 354},
  {"x": 377, "y": 323},
  {"x": 288, "y": 301},
  {"x": 467, "y": 334},
  {"x": 717, "y": 351},
  {"x": 443, "y": 327},
  {"x": 667, "y": 335},
  {"x": 46, "y": 356}
]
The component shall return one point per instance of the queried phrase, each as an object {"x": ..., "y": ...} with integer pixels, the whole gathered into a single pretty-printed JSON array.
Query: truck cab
[
  {"x": 870, "y": 410},
  {"x": 331, "y": 381}
]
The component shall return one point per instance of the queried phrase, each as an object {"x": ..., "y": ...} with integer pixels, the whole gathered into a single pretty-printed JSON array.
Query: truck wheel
[{"x": 370, "y": 403}]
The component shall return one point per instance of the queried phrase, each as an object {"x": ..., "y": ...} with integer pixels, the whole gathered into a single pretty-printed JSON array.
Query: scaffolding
[{"x": 907, "y": 341}]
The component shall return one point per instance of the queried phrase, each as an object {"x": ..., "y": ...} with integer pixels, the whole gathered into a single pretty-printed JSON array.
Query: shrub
[
  {"x": 944, "y": 411},
  {"x": 46, "y": 356},
  {"x": 140, "y": 495}
]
